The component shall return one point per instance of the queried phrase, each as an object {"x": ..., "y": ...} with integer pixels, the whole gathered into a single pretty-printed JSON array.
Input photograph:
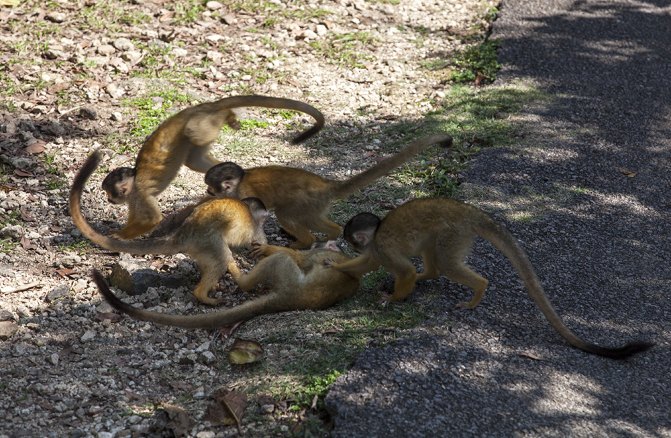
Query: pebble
[
  {"x": 123, "y": 44},
  {"x": 105, "y": 49},
  {"x": 213, "y": 5},
  {"x": 88, "y": 335},
  {"x": 55, "y": 17}
]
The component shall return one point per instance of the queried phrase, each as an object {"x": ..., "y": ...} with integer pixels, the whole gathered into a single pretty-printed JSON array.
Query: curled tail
[
  {"x": 149, "y": 246},
  {"x": 259, "y": 306},
  {"x": 509, "y": 246},
  {"x": 280, "y": 103},
  {"x": 367, "y": 177}
]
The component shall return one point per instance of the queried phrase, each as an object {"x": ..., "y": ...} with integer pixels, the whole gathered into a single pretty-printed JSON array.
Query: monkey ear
[
  {"x": 125, "y": 186},
  {"x": 362, "y": 238},
  {"x": 332, "y": 245},
  {"x": 229, "y": 186}
]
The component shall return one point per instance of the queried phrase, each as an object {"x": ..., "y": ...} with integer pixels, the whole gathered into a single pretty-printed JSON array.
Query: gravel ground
[
  {"x": 587, "y": 193},
  {"x": 75, "y": 76}
]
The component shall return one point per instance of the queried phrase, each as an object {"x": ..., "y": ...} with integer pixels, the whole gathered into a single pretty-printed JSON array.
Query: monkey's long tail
[
  {"x": 147, "y": 246},
  {"x": 279, "y": 103},
  {"x": 509, "y": 246},
  {"x": 367, "y": 177},
  {"x": 259, "y": 306}
]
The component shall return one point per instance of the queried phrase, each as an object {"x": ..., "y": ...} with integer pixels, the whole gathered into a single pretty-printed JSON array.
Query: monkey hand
[
  {"x": 259, "y": 250},
  {"x": 328, "y": 263}
]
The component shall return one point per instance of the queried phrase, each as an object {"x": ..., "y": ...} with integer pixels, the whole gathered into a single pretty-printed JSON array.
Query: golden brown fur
[
  {"x": 298, "y": 280},
  {"x": 183, "y": 139},
  {"x": 441, "y": 231},
  {"x": 301, "y": 199},
  {"x": 207, "y": 234}
]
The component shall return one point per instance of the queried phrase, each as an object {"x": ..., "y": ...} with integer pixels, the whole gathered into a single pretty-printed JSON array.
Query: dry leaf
[
  {"x": 25, "y": 216},
  {"x": 22, "y": 173},
  {"x": 171, "y": 420},
  {"x": 530, "y": 356},
  {"x": 108, "y": 316},
  {"x": 244, "y": 351},
  {"x": 65, "y": 272},
  {"x": 626, "y": 172},
  {"x": 26, "y": 243},
  {"x": 227, "y": 407},
  {"x": 36, "y": 147},
  {"x": 9, "y": 2}
]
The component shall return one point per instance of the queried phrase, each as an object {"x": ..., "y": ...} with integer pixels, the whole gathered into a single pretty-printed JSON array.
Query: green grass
[
  {"x": 345, "y": 49},
  {"x": 151, "y": 112},
  {"x": 476, "y": 63},
  {"x": 7, "y": 245}
]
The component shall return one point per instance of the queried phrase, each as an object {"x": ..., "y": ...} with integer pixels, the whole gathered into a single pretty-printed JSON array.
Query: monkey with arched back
[
  {"x": 183, "y": 139},
  {"x": 442, "y": 231}
]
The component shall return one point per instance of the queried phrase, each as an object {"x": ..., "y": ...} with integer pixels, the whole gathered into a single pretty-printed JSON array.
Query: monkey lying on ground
[
  {"x": 207, "y": 234},
  {"x": 301, "y": 199},
  {"x": 298, "y": 280},
  {"x": 185, "y": 138},
  {"x": 441, "y": 231}
]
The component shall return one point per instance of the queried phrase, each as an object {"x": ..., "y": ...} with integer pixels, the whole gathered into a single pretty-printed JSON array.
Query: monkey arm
[{"x": 358, "y": 266}]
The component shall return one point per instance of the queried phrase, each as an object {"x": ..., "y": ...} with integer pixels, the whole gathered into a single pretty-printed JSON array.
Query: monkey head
[
  {"x": 118, "y": 184},
  {"x": 360, "y": 230},
  {"x": 223, "y": 179}
]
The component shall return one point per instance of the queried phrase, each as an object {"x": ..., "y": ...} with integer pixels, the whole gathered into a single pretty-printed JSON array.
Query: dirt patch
[{"x": 82, "y": 75}]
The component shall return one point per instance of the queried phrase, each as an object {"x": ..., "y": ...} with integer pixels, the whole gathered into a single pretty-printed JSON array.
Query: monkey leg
[
  {"x": 274, "y": 269},
  {"x": 304, "y": 238},
  {"x": 211, "y": 262},
  {"x": 430, "y": 266},
  {"x": 200, "y": 160},
  {"x": 144, "y": 214},
  {"x": 405, "y": 274},
  {"x": 462, "y": 274},
  {"x": 328, "y": 227}
]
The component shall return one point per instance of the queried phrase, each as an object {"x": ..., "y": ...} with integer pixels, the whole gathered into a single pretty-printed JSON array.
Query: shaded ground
[{"x": 587, "y": 193}]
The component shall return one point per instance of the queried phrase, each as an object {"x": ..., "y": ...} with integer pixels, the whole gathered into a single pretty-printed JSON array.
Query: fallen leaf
[
  {"x": 226, "y": 408},
  {"x": 9, "y": 2},
  {"x": 530, "y": 356},
  {"x": 65, "y": 272},
  {"x": 22, "y": 173},
  {"x": 25, "y": 216},
  {"x": 36, "y": 147},
  {"x": 244, "y": 351},
  {"x": 626, "y": 172},
  {"x": 171, "y": 420},
  {"x": 108, "y": 316},
  {"x": 26, "y": 243}
]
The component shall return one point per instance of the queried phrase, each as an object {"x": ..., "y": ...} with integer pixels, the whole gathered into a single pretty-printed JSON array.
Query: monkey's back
[
  {"x": 416, "y": 224},
  {"x": 227, "y": 216},
  {"x": 279, "y": 186}
]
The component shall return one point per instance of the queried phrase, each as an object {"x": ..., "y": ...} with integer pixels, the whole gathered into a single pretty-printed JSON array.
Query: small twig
[{"x": 10, "y": 289}]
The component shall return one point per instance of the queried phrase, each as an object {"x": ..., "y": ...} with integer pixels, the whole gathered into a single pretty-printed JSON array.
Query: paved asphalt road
[{"x": 587, "y": 191}]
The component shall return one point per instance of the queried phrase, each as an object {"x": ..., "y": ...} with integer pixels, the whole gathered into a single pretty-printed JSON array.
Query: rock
[
  {"x": 88, "y": 113},
  {"x": 57, "y": 293},
  {"x": 14, "y": 232},
  {"x": 55, "y": 17},
  {"x": 116, "y": 116},
  {"x": 229, "y": 19},
  {"x": 114, "y": 91},
  {"x": 88, "y": 335},
  {"x": 6, "y": 315},
  {"x": 105, "y": 49},
  {"x": 123, "y": 44},
  {"x": 213, "y": 5},
  {"x": 7, "y": 329}
]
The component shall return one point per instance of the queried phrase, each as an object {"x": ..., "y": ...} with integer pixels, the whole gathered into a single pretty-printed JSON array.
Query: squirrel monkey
[
  {"x": 441, "y": 231},
  {"x": 185, "y": 138},
  {"x": 206, "y": 234},
  {"x": 298, "y": 280},
  {"x": 301, "y": 199}
]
